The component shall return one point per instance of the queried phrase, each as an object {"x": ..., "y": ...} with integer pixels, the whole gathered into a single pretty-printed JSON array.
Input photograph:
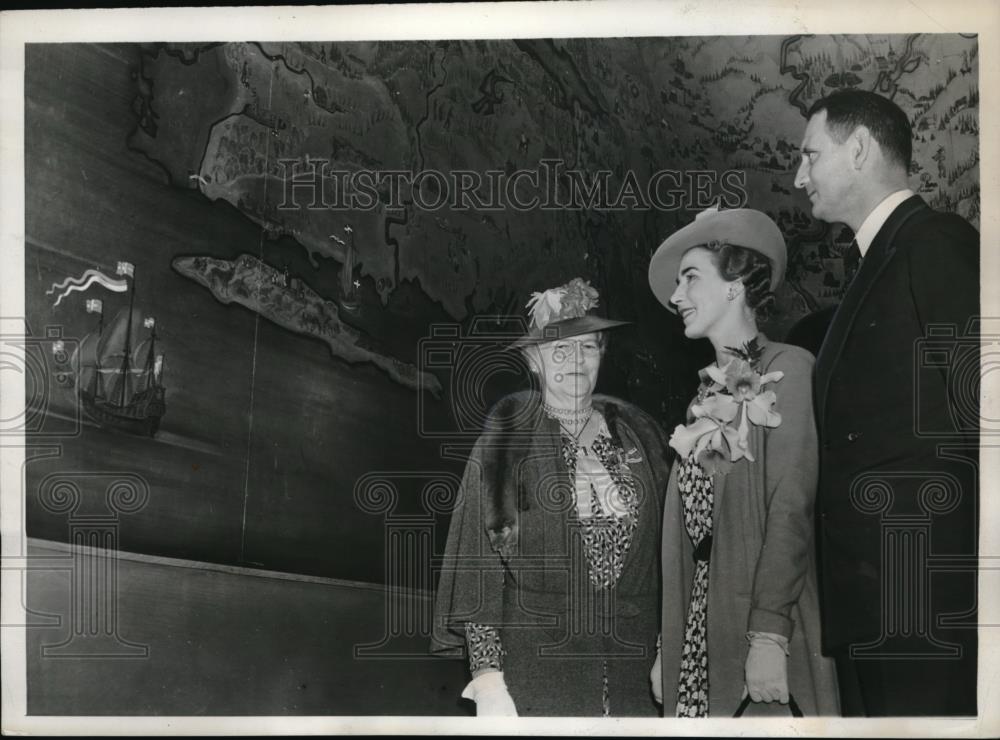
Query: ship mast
[
  {"x": 148, "y": 374},
  {"x": 98, "y": 378},
  {"x": 126, "y": 373},
  {"x": 97, "y": 381}
]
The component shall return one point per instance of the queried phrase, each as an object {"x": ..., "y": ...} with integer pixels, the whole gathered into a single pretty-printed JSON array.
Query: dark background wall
[
  {"x": 258, "y": 455},
  {"x": 147, "y": 153}
]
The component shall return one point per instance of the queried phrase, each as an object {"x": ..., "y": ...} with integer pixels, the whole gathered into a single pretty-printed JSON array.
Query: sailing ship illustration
[{"x": 120, "y": 372}]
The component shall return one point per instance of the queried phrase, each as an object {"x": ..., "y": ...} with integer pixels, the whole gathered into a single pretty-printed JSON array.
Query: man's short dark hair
[{"x": 888, "y": 124}]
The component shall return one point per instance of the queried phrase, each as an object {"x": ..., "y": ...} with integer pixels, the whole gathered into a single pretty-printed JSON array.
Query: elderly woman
[
  {"x": 550, "y": 576},
  {"x": 740, "y": 611}
]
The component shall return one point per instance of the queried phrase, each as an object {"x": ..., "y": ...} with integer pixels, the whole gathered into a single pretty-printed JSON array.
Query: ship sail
[
  {"x": 144, "y": 364},
  {"x": 85, "y": 358},
  {"x": 113, "y": 339},
  {"x": 120, "y": 386}
]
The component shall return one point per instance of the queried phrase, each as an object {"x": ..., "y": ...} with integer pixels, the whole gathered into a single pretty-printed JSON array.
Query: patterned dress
[
  {"x": 607, "y": 513},
  {"x": 697, "y": 492},
  {"x": 697, "y": 489}
]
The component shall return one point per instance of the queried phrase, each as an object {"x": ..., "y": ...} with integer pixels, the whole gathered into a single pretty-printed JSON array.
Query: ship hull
[{"x": 140, "y": 417}]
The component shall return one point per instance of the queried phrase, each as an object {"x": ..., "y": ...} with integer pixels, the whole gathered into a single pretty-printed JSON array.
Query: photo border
[{"x": 599, "y": 19}]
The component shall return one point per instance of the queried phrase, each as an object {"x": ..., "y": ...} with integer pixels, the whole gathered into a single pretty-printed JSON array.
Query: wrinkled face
[
  {"x": 826, "y": 172},
  {"x": 701, "y": 294},
  {"x": 569, "y": 366}
]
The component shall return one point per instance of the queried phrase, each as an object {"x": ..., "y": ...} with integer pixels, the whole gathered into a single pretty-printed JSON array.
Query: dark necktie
[{"x": 852, "y": 261}]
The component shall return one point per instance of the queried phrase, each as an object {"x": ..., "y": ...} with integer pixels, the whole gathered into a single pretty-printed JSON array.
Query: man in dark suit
[{"x": 896, "y": 393}]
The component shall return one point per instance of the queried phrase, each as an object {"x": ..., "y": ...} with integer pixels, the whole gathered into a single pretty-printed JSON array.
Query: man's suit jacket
[{"x": 884, "y": 403}]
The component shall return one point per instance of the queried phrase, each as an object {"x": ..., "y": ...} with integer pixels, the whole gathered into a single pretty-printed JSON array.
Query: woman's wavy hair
[{"x": 736, "y": 262}]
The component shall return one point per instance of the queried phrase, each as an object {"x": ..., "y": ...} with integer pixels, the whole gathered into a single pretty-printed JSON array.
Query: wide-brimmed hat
[
  {"x": 739, "y": 227},
  {"x": 566, "y": 311}
]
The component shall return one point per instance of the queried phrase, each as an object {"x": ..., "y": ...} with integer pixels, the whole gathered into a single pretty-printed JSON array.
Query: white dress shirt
[{"x": 877, "y": 218}]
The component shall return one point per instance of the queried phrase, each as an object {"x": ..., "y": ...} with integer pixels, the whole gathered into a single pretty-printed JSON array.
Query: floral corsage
[{"x": 730, "y": 400}]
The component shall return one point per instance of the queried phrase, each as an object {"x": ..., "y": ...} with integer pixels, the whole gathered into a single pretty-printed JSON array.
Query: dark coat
[
  {"x": 514, "y": 561},
  {"x": 762, "y": 570},
  {"x": 885, "y": 405}
]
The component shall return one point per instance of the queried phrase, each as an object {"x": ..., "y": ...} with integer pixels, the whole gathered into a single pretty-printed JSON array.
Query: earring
[{"x": 731, "y": 294}]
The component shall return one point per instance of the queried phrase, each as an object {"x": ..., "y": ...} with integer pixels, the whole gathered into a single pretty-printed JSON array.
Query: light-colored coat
[{"x": 762, "y": 572}]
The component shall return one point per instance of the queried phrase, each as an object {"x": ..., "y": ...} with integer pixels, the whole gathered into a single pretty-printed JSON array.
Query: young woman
[{"x": 740, "y": 612}]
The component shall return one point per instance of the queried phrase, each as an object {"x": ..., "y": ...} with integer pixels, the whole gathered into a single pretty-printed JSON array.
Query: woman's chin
[{"x": 576, "y": 392}]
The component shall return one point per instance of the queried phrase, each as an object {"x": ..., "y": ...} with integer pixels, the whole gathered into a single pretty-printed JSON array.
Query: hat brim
[
  {"x": 565, "y": 329},
  {"x": 743, "y": 227}
]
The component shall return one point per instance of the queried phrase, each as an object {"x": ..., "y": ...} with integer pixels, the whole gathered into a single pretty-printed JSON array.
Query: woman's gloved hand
[
  {"x": 767, "y": 667},
  {"x": 489, "y": 691},
  {"x": 656, "y": 676}
]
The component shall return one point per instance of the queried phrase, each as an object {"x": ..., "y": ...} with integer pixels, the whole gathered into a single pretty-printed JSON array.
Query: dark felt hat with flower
[
  {"x": 742, "y": 227},
  {"x": 566, "y": 311}
]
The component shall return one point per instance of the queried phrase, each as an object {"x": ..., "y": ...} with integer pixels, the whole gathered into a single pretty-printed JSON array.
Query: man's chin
[{"x": 820, "y": 215}]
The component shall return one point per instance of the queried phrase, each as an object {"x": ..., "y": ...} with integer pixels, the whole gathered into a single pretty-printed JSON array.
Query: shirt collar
[{"x": 877, "y": 218}]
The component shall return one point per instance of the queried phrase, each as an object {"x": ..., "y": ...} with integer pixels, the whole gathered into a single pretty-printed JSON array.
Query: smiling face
[
  {"x": 701, "y": 297},
  {"x": 568, "y": 368},
  {"x": 826, "y": 172}
]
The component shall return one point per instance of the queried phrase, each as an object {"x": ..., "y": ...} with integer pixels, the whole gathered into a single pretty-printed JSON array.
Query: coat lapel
[{"x": 879, "y": 255}]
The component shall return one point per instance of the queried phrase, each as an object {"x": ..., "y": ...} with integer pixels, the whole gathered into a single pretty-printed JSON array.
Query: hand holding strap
[{"x": 767, "y": 667}]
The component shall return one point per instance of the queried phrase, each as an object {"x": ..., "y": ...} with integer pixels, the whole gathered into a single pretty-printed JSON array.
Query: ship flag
[{"x": 83, "y": 282}]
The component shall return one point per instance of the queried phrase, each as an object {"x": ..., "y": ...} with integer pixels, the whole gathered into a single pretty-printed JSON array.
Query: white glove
[
  {"x": 490, "y": 693},
  {"x": 767, "y": 667},
  {"x": 656, "y": 676}
]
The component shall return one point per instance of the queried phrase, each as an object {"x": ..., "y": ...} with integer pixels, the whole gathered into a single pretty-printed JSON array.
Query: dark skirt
[{"x": 561, "y": 670}]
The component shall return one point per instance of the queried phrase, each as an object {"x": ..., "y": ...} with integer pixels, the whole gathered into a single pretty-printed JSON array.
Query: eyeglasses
[{"x": 562, "y": 351}]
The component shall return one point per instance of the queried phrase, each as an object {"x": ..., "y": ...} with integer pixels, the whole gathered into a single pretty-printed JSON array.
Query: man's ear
[{"x": 861, "y": 144}]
